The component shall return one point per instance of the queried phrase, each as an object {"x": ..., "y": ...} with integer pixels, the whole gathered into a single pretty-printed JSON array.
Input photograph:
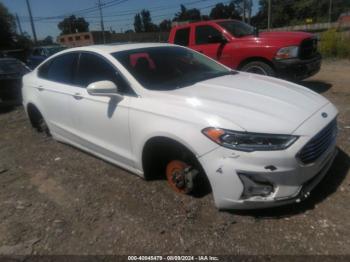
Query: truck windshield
[
  {"x": 169, "y": 67},
  {"x": 237, "y": 28}
]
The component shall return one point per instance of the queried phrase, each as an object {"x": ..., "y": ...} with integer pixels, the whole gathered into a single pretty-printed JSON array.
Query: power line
[
  {"x": 82, "y": 11},
  {"x": 167, "y": 14}
]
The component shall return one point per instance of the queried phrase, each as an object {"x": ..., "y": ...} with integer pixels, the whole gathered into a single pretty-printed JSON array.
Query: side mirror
[
  {"x": 217, "y": 39},
  {"x": 102, "y": 88}
]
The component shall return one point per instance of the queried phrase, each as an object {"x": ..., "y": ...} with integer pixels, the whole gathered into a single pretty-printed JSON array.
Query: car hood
[
  {"x": 279, "y": 38},
  {"x": 243, "y": 101}
]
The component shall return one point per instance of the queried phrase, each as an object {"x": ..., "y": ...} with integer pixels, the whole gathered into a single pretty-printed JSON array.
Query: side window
[
  {"x": 44, "y": 69},
  {"x": 93, "y": 68},
  {"x": 182, "y": 37},
  {"x": 61, "y": 68},
  {"x": 204, "y": 33}
]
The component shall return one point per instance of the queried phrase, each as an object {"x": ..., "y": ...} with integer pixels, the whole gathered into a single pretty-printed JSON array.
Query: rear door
[
  {"x": 182, "y": 36},
  {"x": 54, "y": 87}
]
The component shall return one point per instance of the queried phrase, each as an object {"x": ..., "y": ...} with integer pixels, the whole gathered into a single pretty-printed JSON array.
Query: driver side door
[
  {"x": 101, "y": 122},
  {"x": 205, "y": 42}
]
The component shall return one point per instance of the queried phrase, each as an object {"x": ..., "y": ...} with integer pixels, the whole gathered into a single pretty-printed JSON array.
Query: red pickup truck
[{"x": 289, "y": 55}]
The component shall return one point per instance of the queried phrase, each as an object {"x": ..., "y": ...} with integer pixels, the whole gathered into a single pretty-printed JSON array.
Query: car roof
[{"x": 111, "y": 48}]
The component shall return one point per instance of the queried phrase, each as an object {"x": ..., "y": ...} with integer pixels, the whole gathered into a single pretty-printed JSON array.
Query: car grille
[
  {"x": 318, "y": 144},
  {"x": 308, "y": 48}
]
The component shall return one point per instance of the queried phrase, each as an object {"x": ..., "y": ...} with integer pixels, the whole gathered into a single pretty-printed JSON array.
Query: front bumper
[
  {"x": 298, "y": 69},
  {"x": 291, "y": 180}
]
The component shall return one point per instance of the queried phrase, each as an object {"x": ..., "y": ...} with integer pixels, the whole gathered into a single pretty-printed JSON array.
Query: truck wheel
[{"x": 260, "y": 68}]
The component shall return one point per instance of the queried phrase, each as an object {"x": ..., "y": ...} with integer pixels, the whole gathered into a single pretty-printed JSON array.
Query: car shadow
[
  {"x": 333, "y": 179},
  {"x": 316, "y": 85}
]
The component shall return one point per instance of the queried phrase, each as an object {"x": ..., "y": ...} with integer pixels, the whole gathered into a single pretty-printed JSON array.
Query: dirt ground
[{"x": 55, "y": 199}]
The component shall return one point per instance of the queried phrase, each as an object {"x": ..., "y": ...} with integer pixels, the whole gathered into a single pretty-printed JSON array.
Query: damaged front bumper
[{"x": 262, "y": 179}]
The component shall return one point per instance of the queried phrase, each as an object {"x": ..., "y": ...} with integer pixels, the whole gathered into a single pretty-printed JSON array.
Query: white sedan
[{"x": 165, "y": 111}]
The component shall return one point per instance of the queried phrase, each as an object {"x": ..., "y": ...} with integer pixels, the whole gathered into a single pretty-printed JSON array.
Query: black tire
[
  {"x": 38, "y": 122},
  {"x": 42, "y": 127},
  {"x": 258, "y": 67}
]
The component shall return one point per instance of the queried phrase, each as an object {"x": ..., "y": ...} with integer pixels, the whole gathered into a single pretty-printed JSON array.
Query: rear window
[{"x": 182, "y": 37}]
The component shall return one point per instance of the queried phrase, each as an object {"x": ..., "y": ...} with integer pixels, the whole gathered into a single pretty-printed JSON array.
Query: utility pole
[
  {"x": 244, "y": 9},
  {"x": 102, "y": 25},
  {"x": 269, "y": 15},
  {"x": 19, "y": 25},
  {"x": 330, "y": 12},
  {"x": 31, "y": 22}
]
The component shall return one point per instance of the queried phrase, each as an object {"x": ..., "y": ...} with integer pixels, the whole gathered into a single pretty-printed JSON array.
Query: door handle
[
  {"x": 40, "y": 88},
  {"x": 77, "y": 96}
]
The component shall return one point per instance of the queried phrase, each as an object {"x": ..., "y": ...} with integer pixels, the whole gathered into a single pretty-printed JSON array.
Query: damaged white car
[{"x": 165, "y": 111}]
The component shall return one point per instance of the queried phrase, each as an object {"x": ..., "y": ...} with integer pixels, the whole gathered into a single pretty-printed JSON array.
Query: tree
[
  {"x": 129, "y": 31},
  {"x": 7, "y": 28},
  {"x": 72, "y": 24},
  {"x": 165, "y": 25},
  {"x": 220, "y": 11},
  {"x": 47, "y": 41},
  {"x": 185, "y": 14},
  {"x": 285, "y": 13},
  {"x": 143, "y": 22},
  {"x": 244, "y": 8},
  {"x": 23, "y": 41},
  {"x": 138, "y": 23}
]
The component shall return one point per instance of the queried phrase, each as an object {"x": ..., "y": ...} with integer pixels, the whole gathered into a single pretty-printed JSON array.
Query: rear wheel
[
  {"x": 258, "y": 67},
  {"x": 42, "y": 127},
  {"x": 37, "y": 120}
]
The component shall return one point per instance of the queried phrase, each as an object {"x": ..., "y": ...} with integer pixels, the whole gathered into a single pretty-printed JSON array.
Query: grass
[{"x": 334, "y": 44}]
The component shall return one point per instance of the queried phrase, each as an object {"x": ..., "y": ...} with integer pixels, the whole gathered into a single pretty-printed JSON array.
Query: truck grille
[
  {"x": 308, "y": 48},
  {"x": 318, "y": 144}
]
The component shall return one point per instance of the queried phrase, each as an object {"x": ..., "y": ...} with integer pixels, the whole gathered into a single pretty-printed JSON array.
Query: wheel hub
[{"x": 180, "y": 176}]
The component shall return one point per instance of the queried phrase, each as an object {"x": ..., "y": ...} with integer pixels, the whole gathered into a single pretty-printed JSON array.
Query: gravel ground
[{"x": 55, "y": 199}]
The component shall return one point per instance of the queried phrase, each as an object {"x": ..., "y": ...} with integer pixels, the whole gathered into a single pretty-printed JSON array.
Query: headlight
[
  {"x": 287, "y": 52},
  {"x": 249, "y": 142}
]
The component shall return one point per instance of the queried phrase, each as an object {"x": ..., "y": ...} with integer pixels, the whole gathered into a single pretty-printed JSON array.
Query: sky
[{"x": 118, "y": 14}]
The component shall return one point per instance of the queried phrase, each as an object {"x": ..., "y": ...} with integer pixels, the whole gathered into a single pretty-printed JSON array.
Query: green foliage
[
  {"x": 220, "y": 11},
  {"x": 7, "y": 28},
  {"x": 165, "y": 25},
  {"x": 148, "y": 26},
  {"x": 335, "y": 44},
  {"x": 73, "y": 24},
  {"x": 143, "y": 22},
  {"x": 185, "y": 14},
  {"x": 288, "y": 12},
  {"x": 137, "y": 23}
]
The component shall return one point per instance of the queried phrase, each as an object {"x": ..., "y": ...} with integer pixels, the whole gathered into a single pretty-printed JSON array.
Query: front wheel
[
  {"x": 258, "y": 67},
  {"x": 186, "y": 177}
]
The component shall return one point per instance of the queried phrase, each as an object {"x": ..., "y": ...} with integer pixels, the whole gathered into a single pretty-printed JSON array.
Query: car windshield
[
  {"x": 237, "y": 28},
  {"x": 12, "y": 66},
  {"x": 169, "y": 68}
]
